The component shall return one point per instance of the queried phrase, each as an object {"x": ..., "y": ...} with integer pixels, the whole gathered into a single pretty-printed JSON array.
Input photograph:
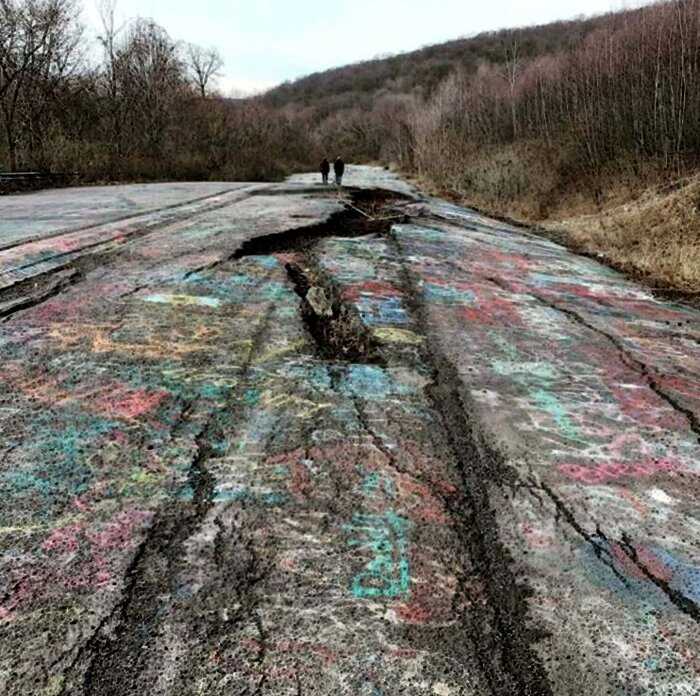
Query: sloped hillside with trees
[{"x": 421, "y": 71}]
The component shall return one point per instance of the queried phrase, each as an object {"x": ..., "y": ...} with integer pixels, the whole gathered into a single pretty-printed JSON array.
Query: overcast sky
[{"x": 265, "y": 42}]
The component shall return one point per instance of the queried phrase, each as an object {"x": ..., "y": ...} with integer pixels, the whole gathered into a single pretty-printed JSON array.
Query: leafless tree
[
  {"x": 511, "y": 67},
  {"x": 203, "y": 65},
  {"x": 38, "y": 39},
  {"x": 41, "y": 103},
  {"x": 108, "y": 41},
  {"x": 151, "y": 77}
]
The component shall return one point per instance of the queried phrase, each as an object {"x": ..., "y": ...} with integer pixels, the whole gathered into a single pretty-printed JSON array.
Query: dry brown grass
[
  {"x": 519, "y": 179},
  {"x": 655, "y": 237}
]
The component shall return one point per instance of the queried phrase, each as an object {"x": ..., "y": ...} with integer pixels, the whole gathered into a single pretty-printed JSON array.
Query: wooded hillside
[
  {"x": 523, "y": 115},
  {"x": 420, "y": 72}
]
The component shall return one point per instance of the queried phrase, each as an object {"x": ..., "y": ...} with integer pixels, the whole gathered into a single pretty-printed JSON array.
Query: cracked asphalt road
[{"x": 477, "y": 475}]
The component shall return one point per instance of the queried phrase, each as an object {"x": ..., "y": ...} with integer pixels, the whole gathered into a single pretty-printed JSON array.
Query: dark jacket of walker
[
  {"x": 325, "y": 167},
  {"x": 339, "y": 167}
]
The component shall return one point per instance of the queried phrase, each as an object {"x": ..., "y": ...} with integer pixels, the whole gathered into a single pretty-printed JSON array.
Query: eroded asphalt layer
[{"x": 255, "y": 441}]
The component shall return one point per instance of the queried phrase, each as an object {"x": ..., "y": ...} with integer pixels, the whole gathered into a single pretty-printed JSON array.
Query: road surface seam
[
  {"x": 630, "y": 361},
  {"x": 143, "y": 213},
  {"x": 165, "y": 533},
  {"x": 685, "y": 604},
  {"x": 113, "y": 246},
  {"x": 40, "y": 288},
  {"x": 62, "y": 280},
  {"x": 480, "y": 467},
  {"x": 625, "y": 357}
]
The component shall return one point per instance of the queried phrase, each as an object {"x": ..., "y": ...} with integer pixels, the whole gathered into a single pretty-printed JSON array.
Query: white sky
[{"x": 265, "y": 42}]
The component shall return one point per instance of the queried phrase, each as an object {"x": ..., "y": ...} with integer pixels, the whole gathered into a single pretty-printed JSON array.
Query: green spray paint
[
  {"x": 388, "y": 573},
  {"x": 549, "y": 403}
]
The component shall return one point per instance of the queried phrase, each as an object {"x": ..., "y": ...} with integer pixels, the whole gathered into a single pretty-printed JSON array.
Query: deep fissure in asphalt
[
  {"x": 369, "y": 213},
  {"x": 116, "y": 650},
  {"x": 501, "y": 632},
  {"x": 339, "y": 334}
]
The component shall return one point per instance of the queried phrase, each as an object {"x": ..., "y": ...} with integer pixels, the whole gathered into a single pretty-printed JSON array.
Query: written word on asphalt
[{"x": 278, "y": 439}]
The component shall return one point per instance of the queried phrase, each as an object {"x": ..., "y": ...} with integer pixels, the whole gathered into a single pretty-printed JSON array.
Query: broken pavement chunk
[{"x": 319, "y": 301}]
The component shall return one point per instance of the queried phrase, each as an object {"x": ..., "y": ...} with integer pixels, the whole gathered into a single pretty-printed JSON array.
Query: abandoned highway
[{"x": 272, "y": 439}]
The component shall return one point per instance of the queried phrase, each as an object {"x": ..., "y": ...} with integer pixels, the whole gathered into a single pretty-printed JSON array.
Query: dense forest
[{"x": 518, "y": 120}]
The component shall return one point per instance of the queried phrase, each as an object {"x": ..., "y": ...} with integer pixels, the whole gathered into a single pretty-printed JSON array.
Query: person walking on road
[
  {"x": 325, "y": 170},
  {"x": 339, "y": 169}
]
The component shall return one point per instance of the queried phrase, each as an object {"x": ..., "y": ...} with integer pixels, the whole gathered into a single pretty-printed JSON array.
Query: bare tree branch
[{"x": 203, "y": 65}]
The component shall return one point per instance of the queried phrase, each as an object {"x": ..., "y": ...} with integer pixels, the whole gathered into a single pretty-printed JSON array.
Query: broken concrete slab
[{"x": 319, "y": 301}]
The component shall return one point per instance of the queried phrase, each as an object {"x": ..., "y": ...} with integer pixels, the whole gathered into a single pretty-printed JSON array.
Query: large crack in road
[{"x": 503, "y": 632}]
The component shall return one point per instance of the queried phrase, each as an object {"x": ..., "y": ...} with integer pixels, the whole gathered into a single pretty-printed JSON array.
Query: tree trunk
[{"x": 11, "y": 147}]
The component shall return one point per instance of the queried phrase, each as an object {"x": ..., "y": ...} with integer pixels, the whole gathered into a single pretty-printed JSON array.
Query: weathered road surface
[{"x": 477, "y": 475}]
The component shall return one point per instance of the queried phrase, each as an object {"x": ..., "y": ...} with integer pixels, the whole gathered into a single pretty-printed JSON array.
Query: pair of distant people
[{"x": 338, "y": 170}]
